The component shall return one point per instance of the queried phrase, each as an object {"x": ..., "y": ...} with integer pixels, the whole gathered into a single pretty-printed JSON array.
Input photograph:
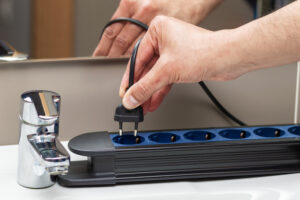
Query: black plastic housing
[
  {"x": 124, "y": 115},
  {"x": 182, "y": 155}
]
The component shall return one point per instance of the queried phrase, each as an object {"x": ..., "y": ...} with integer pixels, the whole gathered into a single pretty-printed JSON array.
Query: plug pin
[
  {"x": 135, "y": 129},
  {"x": 135, "y": 133},
  {"x": 120, "y": 128}
]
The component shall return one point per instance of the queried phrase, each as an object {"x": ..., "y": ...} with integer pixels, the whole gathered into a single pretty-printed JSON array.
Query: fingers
[
  {"x": 138, "y": 73},
  {"x": 118, "y": 38},
  {"x": 128, "y": 35},
  {"x": 129, "y": 50},
  {"x": 150, "y": 82},
  {"x": 110, "y": 34},
  {"x": 142, "y": 90},
  {"x": 124, "y": 39},
  {"x": 145, "y": 70},
  {"x": 145, "y": 56}
]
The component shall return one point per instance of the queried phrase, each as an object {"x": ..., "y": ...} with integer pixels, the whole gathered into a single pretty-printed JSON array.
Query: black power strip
[{"x": 197, "y": 154}]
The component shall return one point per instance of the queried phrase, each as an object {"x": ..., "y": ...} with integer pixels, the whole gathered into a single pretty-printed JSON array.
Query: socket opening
[
  {"x": 164, "y": 137},
  {"x": 128, "y": 139},
  {"x": 235, "y": 134},
  {"x": 294, "y": 130},
  {"x": 269, "y": 132},
  {"x": 199, "y": 135}
]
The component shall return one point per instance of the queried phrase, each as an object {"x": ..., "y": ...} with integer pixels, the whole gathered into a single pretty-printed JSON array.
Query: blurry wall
[
  {"x": 230, "y": 14},
  {"x": 90, "y": 17}
]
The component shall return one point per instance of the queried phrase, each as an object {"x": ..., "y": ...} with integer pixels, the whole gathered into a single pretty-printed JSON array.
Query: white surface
[{"x": 264, "y": 188}]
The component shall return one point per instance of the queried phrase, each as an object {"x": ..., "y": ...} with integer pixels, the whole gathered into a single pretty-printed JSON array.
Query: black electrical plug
[
  {"x": 135, "y": 115},
  {"x": 124, "y": 115}
]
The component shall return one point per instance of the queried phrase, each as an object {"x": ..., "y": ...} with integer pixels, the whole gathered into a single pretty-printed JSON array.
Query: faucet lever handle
[
  {"x": 40, "y": 107},
  {"x": 44, "y": 104}
]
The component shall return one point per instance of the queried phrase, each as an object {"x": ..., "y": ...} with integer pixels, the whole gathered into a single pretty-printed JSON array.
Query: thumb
[{"x": 142, "y": 90}]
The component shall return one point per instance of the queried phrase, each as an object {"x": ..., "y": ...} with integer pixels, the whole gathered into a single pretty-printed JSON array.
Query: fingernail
[{"x": 130, "y": 102}]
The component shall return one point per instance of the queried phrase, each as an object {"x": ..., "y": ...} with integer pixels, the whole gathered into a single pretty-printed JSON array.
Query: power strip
[{"x": 190, "y": 154}]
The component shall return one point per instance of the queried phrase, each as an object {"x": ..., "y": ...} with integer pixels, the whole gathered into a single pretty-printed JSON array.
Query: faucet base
[{"x": 38, "y": 185}]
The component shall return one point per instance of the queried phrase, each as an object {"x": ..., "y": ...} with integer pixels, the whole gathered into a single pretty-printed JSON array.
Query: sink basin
[{"x": 262, "y": 188}]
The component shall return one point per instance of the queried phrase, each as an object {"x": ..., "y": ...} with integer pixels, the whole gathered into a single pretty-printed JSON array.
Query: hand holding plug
[
  {"x": 171, "y": 52},
  {"x": 123, "y": 114}
]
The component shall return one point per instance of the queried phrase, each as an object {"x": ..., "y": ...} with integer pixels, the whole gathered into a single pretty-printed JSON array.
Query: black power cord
[
  {"x": 131, "y": 80},
  {"x": 135, "y": 115},
  {"x": 132, "y": 63},
  {"x": 219, "y": 105}
]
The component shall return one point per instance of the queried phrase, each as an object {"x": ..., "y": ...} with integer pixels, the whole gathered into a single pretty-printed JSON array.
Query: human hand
[
  {"x": 119, "y": 39},
  {"x": 173, "y": 51}
]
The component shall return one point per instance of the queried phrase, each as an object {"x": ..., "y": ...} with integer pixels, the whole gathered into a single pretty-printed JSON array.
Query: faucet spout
[{"x": 50, "y": 153}]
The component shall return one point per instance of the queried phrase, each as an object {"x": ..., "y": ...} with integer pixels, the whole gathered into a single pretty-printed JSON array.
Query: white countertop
[{"x": 263, "y": 188}]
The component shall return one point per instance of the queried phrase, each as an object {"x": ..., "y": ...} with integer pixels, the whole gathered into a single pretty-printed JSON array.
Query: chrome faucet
[{"x": 41, "y": 155}]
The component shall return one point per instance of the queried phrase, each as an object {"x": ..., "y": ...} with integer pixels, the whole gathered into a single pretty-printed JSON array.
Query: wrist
[{"x": 229, "y": 60}]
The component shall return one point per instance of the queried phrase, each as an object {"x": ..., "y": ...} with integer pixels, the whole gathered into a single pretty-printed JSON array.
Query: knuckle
[
  {"x": 109, "y": 33},
  {"x": 121, "y": 42},
  {"x": 158, "y": 20},
  {"x": 149, "y": 7},
  {"x": 156, "y": 26}
]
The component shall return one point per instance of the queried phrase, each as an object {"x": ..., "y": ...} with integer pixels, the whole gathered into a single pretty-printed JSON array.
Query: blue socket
[{"x": 206, "y": 135}]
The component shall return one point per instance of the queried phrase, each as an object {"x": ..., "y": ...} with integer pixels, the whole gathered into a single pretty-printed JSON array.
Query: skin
[
  {"x": 119, "y": 39},
  {"x": 174, "y": 51}
]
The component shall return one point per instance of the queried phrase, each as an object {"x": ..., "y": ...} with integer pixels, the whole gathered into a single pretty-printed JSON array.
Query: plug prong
[
  {"x": 135, "y": 129},
  {"x": 120, "y": 128},
  {"x": 135, "y": 132}
]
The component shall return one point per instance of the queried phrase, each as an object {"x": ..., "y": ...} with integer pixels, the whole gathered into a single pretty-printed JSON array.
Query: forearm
[{"x": 270, "y": 41}]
